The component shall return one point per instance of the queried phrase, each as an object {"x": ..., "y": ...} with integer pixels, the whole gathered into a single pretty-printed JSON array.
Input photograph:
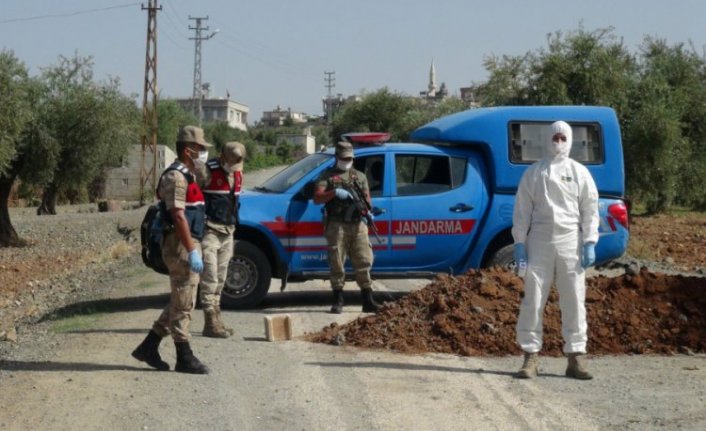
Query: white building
[
  {"x": 278, "y": 117},
  {"x": 220, "y": 109},
  {"x": 305, "y": 140},
  {"x": 123, "y": 183}
]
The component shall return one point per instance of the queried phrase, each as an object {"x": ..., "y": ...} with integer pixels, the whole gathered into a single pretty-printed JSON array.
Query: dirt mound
[{"x": 475, "y": 315}]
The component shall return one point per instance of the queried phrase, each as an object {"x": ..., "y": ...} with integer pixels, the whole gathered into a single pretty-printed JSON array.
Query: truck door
[
  {"x": 436, "y": 201},
  {"x": 306, "y": 241}
]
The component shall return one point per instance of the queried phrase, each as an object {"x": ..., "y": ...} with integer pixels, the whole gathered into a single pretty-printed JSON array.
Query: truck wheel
[
  {"x": 504, "y": 257},
  {"x": 248, "y": 278}
]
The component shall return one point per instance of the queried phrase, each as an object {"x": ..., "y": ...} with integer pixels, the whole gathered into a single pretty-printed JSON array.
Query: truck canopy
[{"x": 495, "y": 132}]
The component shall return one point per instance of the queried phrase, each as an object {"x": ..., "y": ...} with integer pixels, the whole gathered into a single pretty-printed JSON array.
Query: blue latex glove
[
  {"x": 343, "y": 194},
  {"x": 195, "y": 262},
  {"x": 371, "y": 216},
  {"x": 589, "y": 255},
  {"x": 520, "y": 252}
]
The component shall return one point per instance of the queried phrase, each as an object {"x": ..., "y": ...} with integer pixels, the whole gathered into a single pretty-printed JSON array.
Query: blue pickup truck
[{"x": 442, "y": 203}]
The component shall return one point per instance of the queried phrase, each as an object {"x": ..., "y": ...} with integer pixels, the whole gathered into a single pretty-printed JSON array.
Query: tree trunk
[
  {"x": 8, "y": 235},
  {"x": 48, "y": 205}
]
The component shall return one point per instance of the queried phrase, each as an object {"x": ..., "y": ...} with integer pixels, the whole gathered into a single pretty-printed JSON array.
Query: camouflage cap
[
  {"x": 344, "y": 149},
  {"x": 192, "y": 134},
  {"x": 234, "y": 154}
]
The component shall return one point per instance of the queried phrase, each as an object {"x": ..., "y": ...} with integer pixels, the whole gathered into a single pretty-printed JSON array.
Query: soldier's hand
[
  {"x": 195, "y": 261},
  {"x": 343, "y": 194}
]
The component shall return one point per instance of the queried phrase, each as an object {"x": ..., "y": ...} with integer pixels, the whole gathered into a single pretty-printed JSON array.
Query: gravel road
[{"x": 73, "y": 369}]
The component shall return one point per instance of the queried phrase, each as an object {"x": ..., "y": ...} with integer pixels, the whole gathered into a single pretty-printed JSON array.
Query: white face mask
[
  {"x": 343, "y": 165},
  {"x": 558, "y": 148},
  {"x": 202, "y": 158}
]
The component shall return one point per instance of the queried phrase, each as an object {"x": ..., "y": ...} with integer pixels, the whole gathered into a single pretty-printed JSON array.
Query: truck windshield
[{"x": 284, "y": 179}]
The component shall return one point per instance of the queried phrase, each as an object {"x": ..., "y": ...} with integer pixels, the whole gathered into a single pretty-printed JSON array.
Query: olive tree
[
  {"x": 388, "y": 111},
  {"x": 15, "y": 114},
  {"x": 93, "y": 123}
]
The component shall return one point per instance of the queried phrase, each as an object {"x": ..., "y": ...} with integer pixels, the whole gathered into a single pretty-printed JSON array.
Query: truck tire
[
  {"x": 504, "y": 257},
  {"x": 248, "y": 278}
]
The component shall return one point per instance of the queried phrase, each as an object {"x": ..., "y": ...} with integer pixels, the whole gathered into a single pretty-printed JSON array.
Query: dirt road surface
[
  {"x": 83, "y": 377},
  {"x": 75, "y": 372}
]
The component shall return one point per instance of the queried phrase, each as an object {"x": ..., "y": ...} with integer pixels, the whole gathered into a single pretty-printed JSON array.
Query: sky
[{"x": 270, "y": 53}]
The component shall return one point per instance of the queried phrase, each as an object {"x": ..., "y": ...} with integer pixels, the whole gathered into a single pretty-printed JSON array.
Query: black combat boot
[
  {"x": 369, "y": 304},
  {"x": 148, "y": 351},
  {"x": 337, "y": 306},
  {"x": 186, "y": 361}
]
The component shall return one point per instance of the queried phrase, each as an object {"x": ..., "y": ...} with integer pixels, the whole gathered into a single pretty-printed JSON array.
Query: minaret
[{"x": 432, "y": 80}]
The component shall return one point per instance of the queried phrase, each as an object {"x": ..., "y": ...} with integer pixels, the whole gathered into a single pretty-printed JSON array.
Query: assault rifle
[{"x": 363, "y": 207}]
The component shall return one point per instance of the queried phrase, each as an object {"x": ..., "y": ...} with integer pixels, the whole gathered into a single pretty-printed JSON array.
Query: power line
[
  {"x": 267, "y": 62},
  {"x": 177, "y": 26},
  {"x": 164, "y": 33},
  {"x": 68, "y": 14}
]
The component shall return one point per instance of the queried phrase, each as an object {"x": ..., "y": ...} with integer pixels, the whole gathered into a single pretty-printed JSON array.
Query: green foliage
[
  {"x": 93, "y": 124},
  {"x": 261, "y": 161},
  {"x": 15, "y": 106},
  {"x": 219, "y": 132},
  {"x": 77, "y": 130},
  {"x": 170, "y": 116},
  {"x": 322, "y": 137},
  {"x": 387, "y": 111},
  {"x": 659, "y": 96}
]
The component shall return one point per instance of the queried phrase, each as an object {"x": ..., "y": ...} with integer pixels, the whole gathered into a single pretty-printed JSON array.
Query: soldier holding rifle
[{"x": 345, "y": 226}]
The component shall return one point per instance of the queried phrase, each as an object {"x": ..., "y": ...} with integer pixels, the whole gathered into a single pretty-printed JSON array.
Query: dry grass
[{"x": 119, "y": 250}]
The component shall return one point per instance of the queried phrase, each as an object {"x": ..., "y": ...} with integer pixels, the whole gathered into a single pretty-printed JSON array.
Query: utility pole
[
  {"x": 330, "y": 79},
  {"x": 330, "y": 85},
  {"x": 198, "y": 92},
  {"x": 148, "y": 175}
]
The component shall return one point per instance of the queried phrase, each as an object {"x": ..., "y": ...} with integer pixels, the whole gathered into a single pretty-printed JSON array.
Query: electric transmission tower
[
  {"x": 148, "y": 174},
  {"x": 197, "y": 95},
  {"x": 330, "y": 79},
  {"x": 330, "y": 85}
]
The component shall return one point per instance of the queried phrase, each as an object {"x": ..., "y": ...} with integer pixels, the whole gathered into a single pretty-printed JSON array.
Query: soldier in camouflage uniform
[
  {"x": 182, "y": 212},
  {"x": 222, "y": 183},
  {"x": 345, "y": 231}
]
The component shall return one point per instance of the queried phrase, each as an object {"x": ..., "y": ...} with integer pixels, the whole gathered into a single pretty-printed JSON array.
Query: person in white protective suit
[{"x": 555, "y": 229}]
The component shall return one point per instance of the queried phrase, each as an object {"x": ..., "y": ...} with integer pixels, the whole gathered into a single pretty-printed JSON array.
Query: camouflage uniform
[
  {"x": 346, "y": 233},
  {"x": 221, "y": 191},
  {"x": 176, "y": 317},
  {"x": 178, "y": 189}
]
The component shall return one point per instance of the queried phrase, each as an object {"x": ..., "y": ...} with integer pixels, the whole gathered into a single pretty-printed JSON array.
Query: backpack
[{"x": 151, "y": 238}]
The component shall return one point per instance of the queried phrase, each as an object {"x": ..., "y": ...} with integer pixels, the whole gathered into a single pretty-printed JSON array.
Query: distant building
[
  {"x": 333, "y": 104},
  {"x": 305, "y": 140},
  {"x": 434, "y": 93},
  {"x": 469, "y": 97},
  {"x": 220, "y": 109},
  {"x": 123, "y": 183},
  {"x": 278, "y": 117}
]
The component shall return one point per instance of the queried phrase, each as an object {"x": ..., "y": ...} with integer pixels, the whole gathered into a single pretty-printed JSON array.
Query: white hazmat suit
[{"x": 555, "y": 214}]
